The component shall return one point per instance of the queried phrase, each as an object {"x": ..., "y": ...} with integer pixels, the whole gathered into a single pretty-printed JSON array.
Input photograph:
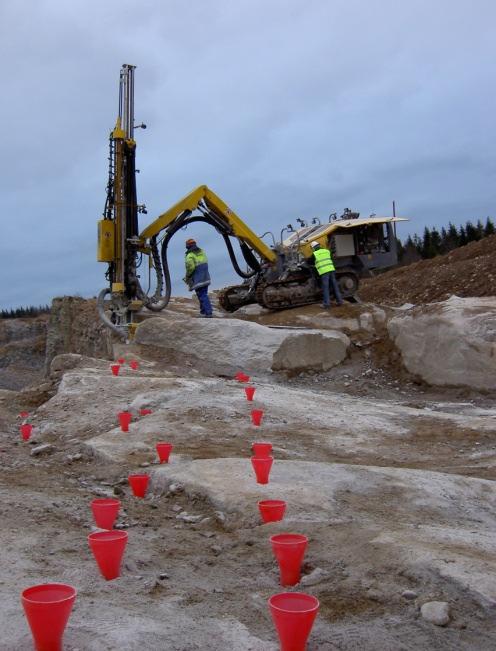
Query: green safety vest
[
  {"x": 323, "y": 261},
  {"x": 193, "y": 259}
]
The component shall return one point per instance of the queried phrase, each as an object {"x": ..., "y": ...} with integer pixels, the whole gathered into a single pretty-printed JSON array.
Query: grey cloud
[{"x": 286, "y": 109}]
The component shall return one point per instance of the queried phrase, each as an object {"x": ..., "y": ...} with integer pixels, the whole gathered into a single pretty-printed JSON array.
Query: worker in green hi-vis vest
[
  {"x": 326, "y": 270},
  {"x": 197, "y": 277}
]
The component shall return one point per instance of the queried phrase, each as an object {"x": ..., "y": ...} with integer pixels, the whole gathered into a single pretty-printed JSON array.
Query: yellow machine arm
[{"x": 203, "y": 197}]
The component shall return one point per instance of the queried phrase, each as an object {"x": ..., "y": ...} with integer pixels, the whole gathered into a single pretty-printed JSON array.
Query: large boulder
[
  {"x": 310, "y": 351},
  {"x": 225, "y": 345},
  {"x": 451, "y": 343},
  {"x": 74, "y": 327}
]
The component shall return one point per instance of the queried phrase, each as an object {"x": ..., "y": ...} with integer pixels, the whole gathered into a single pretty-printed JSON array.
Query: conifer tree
[
  {"x": 443, "y": 247},
  {"x": 426, "y": 243},
  {"x": 480, "y": 229},
  {"x": 28, "y": 311},
  {"x": 471, "y": 232},
  {"x": 430, "y": 243},
  {"x": 489, "y": 227},
  {"x": 453, "y": 240},
  {"x": 435, "y": 242},
  {"x": 417, "y": 243}
]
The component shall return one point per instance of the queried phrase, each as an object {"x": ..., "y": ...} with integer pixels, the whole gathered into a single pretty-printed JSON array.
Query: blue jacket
[{"x": 197, "y": 269}]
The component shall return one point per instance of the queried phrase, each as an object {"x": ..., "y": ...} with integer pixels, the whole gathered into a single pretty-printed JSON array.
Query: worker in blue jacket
[{"x": 197, "y": 276}]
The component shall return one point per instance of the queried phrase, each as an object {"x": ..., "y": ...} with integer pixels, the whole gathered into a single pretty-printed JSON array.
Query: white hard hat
[{"x": 314, "y": 244}]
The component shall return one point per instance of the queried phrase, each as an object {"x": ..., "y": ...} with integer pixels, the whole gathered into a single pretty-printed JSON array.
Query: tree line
[
  {"x": 438, "y": 242},
  {"x": 24, "y": 311}
]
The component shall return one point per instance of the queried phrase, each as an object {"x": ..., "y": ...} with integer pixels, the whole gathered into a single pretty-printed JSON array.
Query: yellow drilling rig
[{"x": 278, "y": 275}]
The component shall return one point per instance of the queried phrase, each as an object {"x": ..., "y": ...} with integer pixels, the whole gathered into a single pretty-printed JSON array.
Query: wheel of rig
[
  {"x": 224, "y": 302},
  {"x": 233, "y": 297},
  {"x": 348, "y": 282},
  {"x": 280, "y": 295}
]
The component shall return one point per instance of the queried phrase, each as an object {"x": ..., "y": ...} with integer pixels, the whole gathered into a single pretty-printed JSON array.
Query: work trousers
[
  {"x": 205, "y": 305},
  {"x": 327, "y": 279}
]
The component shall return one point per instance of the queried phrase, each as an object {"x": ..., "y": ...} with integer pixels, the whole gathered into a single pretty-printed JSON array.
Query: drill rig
[
  {"x": 277, "y": 277},
  {"x": 118, "y": 241}
]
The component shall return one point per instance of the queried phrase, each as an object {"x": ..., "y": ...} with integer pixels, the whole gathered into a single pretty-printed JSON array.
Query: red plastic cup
[
  {"x": 124, "y": 420},
  {"x": 121, "y": 360},
  {"x": 163, "y": 451},
  {"x": 272, "y": 510},
  {"x": 23, "y": 414},
  {"x": 293, "y": 614},
  {"x": 26, "y": 431},
  {"x": 250, "y": 392},
  {"x": 289, "y": 549},
  {"x": 134, "y": 364},
  {"x": 105, "y": 512},
  {"x": 139, "y": 484},
  {"x": 262, "y": 466},
  {"x": 261, "y": 450},
  {"x": 108, "y": 549},
  {"x": 47, "y": 608},
  {"x": 256, "y": 416},
  {"x": 145, "y": 412},
  {"x": 115, "y": 368}
]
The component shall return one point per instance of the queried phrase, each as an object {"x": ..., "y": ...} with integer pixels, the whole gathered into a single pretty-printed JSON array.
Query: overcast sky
[{"x": 286, "y": 108}]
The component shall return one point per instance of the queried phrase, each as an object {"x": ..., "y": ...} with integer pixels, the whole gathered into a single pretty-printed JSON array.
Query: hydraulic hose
[
  {"x": 163, "y": 272},
  {"x": 173, "y": 230},
  {"x": 157, "y": 302},
  {"x": 249, "y": 257},
  {"x": 234, "y": 262},
  {"x": 101, "y": 313}
]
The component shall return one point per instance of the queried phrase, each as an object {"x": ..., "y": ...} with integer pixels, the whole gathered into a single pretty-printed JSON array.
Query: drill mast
[{"x": 118, "y": 230}]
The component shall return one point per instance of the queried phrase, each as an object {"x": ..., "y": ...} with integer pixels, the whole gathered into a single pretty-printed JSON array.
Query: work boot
[{"x": 325, "y": 307}]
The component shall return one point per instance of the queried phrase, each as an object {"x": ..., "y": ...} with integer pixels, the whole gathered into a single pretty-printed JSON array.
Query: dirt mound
[{"x": 467, "y": 271}]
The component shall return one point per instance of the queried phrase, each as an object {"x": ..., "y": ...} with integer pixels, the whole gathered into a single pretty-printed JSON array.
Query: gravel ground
[{"x": 203, "y": 583}]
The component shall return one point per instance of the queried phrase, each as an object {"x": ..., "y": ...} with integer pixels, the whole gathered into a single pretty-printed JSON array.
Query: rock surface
[
  {"x": 226, "y": 345},
  {"x": 44, "y": 448},
  {"x": 22, "y": 351},
  {"x": 313, "y": 351},
  {"x": 74, "y": 327},
  {"x": 368, "y": 496},
  {"x": 67, "y": 361},
  {"x": 452, "y": 343},
  {"x": 393, "y": 484},
  {"x": 436, "y": 612}
]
